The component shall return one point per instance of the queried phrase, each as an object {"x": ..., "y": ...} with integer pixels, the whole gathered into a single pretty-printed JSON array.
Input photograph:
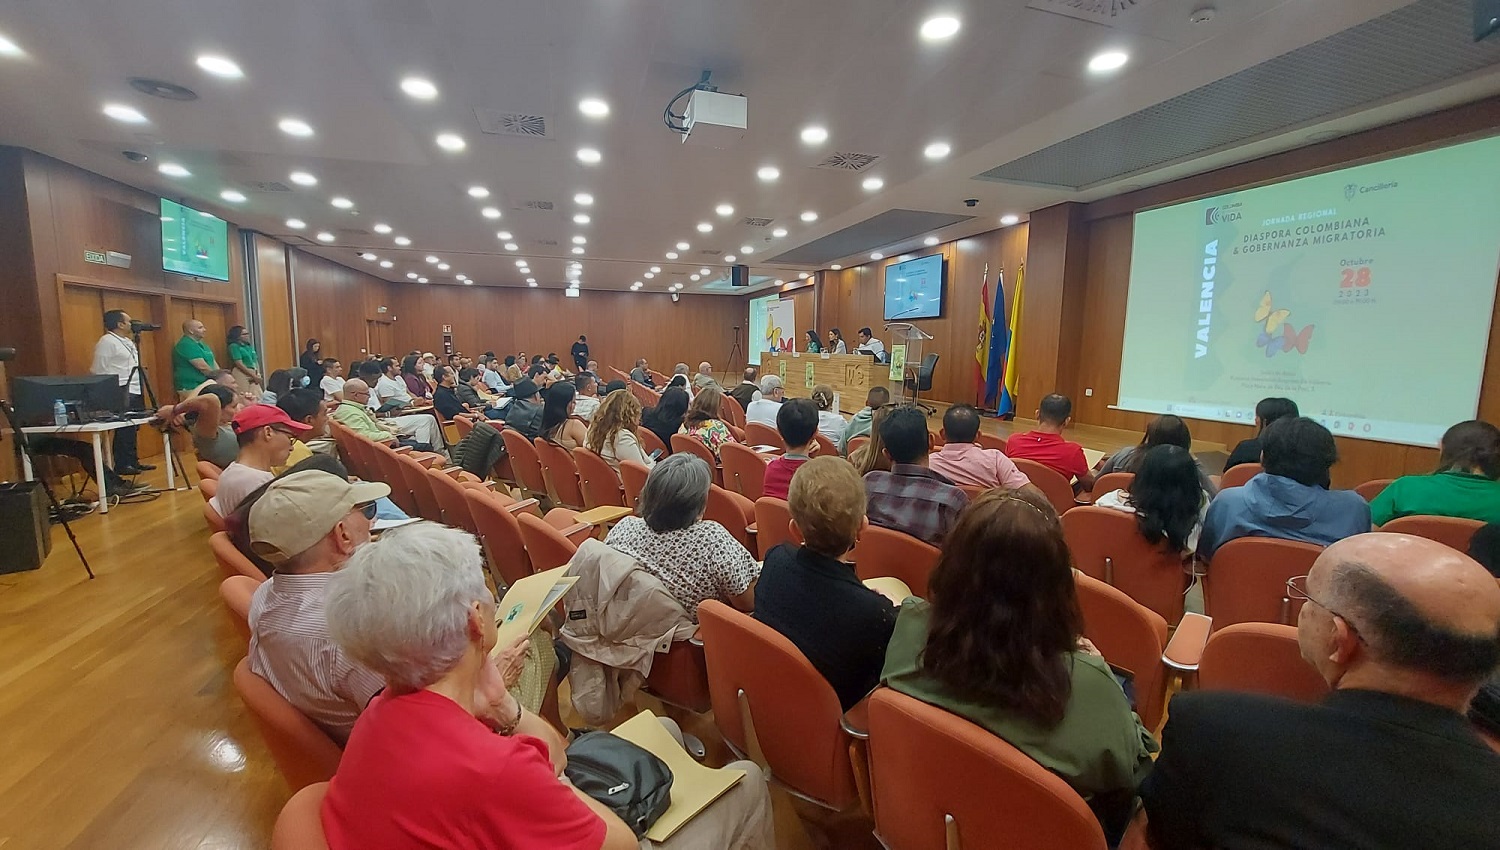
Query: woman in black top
[
  {"x": 312, "y": 361},
  {"x": 665, "y": 419}
]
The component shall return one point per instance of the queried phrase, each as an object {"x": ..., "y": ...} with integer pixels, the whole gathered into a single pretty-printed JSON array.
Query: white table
[{"x": 94, "y": 430}]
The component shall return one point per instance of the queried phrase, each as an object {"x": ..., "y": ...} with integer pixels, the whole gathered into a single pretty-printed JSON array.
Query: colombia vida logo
[
  {"x": 1222, "y": 214},
  {"x": 1277, "y": 335}
]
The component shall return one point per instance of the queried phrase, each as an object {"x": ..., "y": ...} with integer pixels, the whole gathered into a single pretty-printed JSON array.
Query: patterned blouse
[
  {"x": 713, "y": 433},
  {"x": 702, "y": 561}
]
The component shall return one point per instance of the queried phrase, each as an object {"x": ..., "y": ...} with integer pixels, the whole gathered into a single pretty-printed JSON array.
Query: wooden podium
[{"x": 850, "y": 375}]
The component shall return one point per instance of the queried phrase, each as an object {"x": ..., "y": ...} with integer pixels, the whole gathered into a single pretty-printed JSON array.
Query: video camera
[{"x": 138, "y": 326}]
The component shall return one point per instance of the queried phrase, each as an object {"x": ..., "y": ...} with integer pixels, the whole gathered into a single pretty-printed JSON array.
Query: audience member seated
[
  {"x": 831, "y": 423},
  {"x": 810, "y": 595},
  {"x": 559, "y": 424},
  {"x": 412, "y": 377},
  {"x": 616, "y": 384},
  {"x": 641, "y": 374},
  {"x": 747, "y": 390},
  {"x": 207, "y": 416},
  {"x": 524, "y": 413},
  {"x": 306, "y": 525},
  {"x": 1046, "y": 445},
  {"x": 705, "y": 377},
  {"x": 474, "y": 394},
  {"x": 911, "y": 498},
  {"x": 704, "y": 419},
  {"x": 265, "y": 435},
  {"x": 1000, "y": 643},
  {"x": 445, "y": 399},
  {"x": 686, "y": 373},
  {"x": 354, "y": 413},
  {"x": 962, "y": 461},
  {"x": 1290, "y": 499},
  {"x": 280, "y": 382},
  {"x": 796, "y": 422},
  {"x": 665, "y": 419},
  {"x": 695, "y": 558},
  {"x": 494, "y": 381},
  {"x": 862, "y": 422},
  {"x": 1464, "y": 484},
  {"x": 1267, "y": 410},
  {"x": 1166, "y": 497},
  {"x": 763, "y": 409},
  {"x": 1165, "y": 430},
  {"x": 612, "y": 433},
  {"x": 1404, "y": 630},
  {"x": 587, "y": 401},
  {"x": 872, "y": 455},
  {"x": 390, "y": 392},
  {"x": 306, "y": 405},
  {"x": 332, "y": 383},
  {"x": 513, "y": 370}
]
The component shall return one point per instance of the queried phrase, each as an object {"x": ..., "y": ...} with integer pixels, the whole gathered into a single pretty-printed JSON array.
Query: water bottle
[{"x": 59, "y": 413}]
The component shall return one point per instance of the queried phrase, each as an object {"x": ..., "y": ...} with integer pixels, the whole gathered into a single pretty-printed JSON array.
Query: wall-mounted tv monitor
[
  {"x": 914, "y": 289},
  {"x": 193, "y": 243}
]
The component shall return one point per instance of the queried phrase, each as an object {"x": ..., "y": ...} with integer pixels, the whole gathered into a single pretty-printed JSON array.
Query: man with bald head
[
  {"x": 1404, "y": 630},
  {"x": 353, "y": 411},
  {"x": 192, "y": 360}
]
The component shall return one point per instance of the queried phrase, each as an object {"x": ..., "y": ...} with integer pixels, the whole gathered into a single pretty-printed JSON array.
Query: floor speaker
[{"x": 25, "y": 530}]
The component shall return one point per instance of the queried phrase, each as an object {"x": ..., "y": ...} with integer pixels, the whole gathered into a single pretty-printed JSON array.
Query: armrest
[
  {"x": 1185, "y": 649},
  {"x": 428, "y": 459},
  {"x": 522, "y": 506},
  {"x": 402, "y": 450},
  {"x": 453, "y": 472},
  {"x": 695, "y": 640},
  {"x": 751, "y": 529},
  {"x": 856, "y": 721},
  {"x": 578, "y": 533},
  {"x": 604, "y": 514}
]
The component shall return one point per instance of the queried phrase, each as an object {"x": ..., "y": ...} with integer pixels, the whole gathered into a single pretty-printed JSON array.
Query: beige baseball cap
[{"x": 298, "y": 510}]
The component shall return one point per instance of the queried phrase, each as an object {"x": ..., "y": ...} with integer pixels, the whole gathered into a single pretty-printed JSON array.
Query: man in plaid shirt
[{"x": 911, "y": 498}]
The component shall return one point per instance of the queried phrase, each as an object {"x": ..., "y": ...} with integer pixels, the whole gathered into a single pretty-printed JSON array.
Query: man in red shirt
[{"x": 1046, "y": 445}]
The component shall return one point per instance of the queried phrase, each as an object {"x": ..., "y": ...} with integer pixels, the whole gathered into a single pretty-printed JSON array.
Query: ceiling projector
[{"x": 713, "y": 119}]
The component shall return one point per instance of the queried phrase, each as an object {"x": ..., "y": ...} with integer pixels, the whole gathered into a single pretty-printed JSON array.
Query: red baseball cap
[{"x": 261, "y": 415}]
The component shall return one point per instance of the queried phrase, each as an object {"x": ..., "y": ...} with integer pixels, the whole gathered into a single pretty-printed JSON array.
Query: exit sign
[{"x": 94, "y": 257}]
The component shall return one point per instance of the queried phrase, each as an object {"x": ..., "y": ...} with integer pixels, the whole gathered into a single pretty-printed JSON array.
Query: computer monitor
[{"x": 96, "y": 396}]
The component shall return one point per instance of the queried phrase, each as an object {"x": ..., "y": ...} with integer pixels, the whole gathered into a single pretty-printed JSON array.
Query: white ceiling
[{"x": 1012, "y": 81}]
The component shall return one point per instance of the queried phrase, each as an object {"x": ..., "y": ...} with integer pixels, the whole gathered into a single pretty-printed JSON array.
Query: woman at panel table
[
  {"x": 813, "y": 346},
  {"x": 1464, "y": 484},
  {"x": 836, "y": 342}
]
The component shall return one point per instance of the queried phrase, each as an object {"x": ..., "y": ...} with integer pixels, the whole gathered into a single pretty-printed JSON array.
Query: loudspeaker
[
  {"x": 1486, "y": 18},
  {"x": 25, "y": 530},
  {"x": 739, "y": 275}
]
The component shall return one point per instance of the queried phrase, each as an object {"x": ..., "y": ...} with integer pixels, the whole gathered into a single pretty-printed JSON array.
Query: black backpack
[{"x": 628, "y": 780}]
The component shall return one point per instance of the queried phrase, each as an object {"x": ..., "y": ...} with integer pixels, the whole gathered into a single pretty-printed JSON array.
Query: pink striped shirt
[{"x": 968, "y": 463}]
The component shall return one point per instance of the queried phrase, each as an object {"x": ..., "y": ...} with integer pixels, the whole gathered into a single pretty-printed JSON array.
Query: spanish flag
[{"x": 982, "y": 347}]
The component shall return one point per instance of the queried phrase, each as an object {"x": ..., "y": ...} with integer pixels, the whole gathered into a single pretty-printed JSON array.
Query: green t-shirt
[
  {"x": 242, "y": 352},
  {"x": 185, "y": 375},
  {"x": 1455, "y": 494}
]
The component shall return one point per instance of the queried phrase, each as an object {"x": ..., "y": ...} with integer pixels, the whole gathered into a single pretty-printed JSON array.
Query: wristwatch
[{"x": 510, "y": 727}]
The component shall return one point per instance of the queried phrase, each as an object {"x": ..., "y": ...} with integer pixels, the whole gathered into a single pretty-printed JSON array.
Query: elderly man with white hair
[
  {"x": 765, "y": 408},
  {"x": 446, "y": 756},
  {"x": 705, "y": 377}
]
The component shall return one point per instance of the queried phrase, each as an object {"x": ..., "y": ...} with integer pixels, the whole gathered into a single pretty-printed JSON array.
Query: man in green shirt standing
[{"x": 192, "y": 360}]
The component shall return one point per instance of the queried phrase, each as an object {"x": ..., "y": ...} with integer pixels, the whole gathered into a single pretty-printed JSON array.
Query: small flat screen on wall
[
  {"x": 193, "y": 243},
  {"x": 914, "y": 289}
]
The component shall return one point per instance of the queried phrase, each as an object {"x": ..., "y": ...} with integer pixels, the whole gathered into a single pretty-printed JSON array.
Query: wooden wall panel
[
  {"x": 278, "y": 350},
  {"x": 19, "y": 328},
  {"x": 332, "y": 304}
]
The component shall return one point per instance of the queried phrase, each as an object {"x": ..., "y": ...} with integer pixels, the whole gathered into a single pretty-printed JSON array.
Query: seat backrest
[
  {"x": 1237, "y": 475},
  {"x": 231, "y": 561},
  {"x": 303, "y": 753},
  {"x": 732, "y": 411},
  {"x": 212, "y": 519},
  {"x": 733, "y": 511},
  {"x": 928, "y": 765},
  {"x": 644, "y": 394},
  {"x": 924, "y": 371},
  {"x": 208, "y": 488},
  {"x": 855, "y": 444},
  {"x": 761, "y": 434},
  {"x": 560, "y": 474},
  {"x": 633, "y": 478},
  {"x": 420, "y": 484},
  {"x": 1108, "y": 545},
  {"x": 300, "y": 824},
  {"x": 823, "y": 447},
  {"x": 500, "y": 533},
  {"x": 207, "y": 471},
  {"x": 237, "y": 591},
  {"x": 524, "y": 462},
  {"x": 1129, "y": 635},
  {"x": 545, "y": 545},
  {"x": 772, "y": 523},
  {"x": 1246, "y": 580},
  {"x": 744, "y": 470},
  {"x": 793, "y": 711},
  {"x": 694, "y": 446},
  {"x": 600, "y": 485},
  {"x": 650, "y": 442},
  {"x": 464, "y": 423},
  {"x": 1449, "y": 531},
  {"x": 1112, "y": 481},
  {"x": 1370, "y": 489},
  {"x": 388, "y": 465},
  {"x": 1260, "y": 658},
  {"x": 450, "y": 500},
  {"x": 1051, "y": 482},
  {"x": 884, "y": 552}
]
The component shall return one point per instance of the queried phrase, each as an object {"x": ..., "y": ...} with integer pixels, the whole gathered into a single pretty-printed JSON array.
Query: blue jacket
[{"x": 1274, "y": 506}]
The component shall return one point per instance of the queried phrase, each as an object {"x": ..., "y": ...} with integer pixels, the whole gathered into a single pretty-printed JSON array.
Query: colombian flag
[{"x": 982, "y": 348}]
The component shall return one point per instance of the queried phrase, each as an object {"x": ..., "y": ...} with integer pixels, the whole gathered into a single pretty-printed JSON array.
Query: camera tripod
[
  {"x": 148, "y": 395},
  {"x": 22, "y": 446},
  {"x": 734, "y": 349}
]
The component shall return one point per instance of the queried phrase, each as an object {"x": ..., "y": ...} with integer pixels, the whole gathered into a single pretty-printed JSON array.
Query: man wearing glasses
[
  {"x": 1404, "y": 630},
  {"x": 308, "y": 524},
  {"x": 265, "y": 434}
]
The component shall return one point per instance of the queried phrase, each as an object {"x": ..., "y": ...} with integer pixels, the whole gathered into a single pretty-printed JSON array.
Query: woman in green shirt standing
[
  {"x": 1465, "y": 484},
  {"x": 242, "y": 360},
  {"x": 1000, "y": 643}
]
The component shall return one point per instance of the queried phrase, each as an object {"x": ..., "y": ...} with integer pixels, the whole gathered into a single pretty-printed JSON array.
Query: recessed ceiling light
[
  {"x": 656, "y": 269},
  {"x": 402, "y": 241},
  {"x": 490, "y": 212},
  {"x": 431, "y": 259},
  {"x": 460, "y": 277},
  {"x": 936, "y": 150},
  {"x": 233, "y": 196},
  {"x": 589, "y": 156},
  {"x": 342, "y": 203},
  {"x": 1009, "y": 219},
  {"x": 593, "y": 107},
  {"x": 503, "y": 235},
  {"x": 296, "y": 223},
  {"x": 579, "y": 240},
  {"x": 802, "y": 275},
  {"x": 451, "y": 142},
  {"x": 809, "y": 216},
  {"x": 780, "y": 282},
  {"x": 302, "y": 178},
  {"x": 468, "y": 283},
  {"x": 478, "y": 192},
  {"x": 511, "y": 246},
  {"x": 704, "y": 271},
  {"x": 10, "y": 48},
  {"x": 385, "y": 264},
  {"x": 220, "y": 66},
  {"x": 939, "y": 28},
  {"x": 421, "y": 280},
  {"x": 581, "y": 218},
  {"x": 442, "y": 267},
  {"x": 419, "y": 88},
  {"x": 930, "y": 241},
  {"x": 367, "y": 256},
  {"x": 325, "y": 236},
  {"x": 671, "y": 255},
  {"x": 411, "y": 275},
  {"x": 747, "y": 250},
  {"x": 1109, "y": 60},
  {"x": 705, "y": 227},
  {"x": 724, "y": 210},
  {"x": 682, "y": 246},
  {"x": 520, "y": 264},
  {"x": 835, "y": 267},
  {"x": 172, "y": 169},
  {"x": 127, "y": 114},
  {"x": 382, "y": 229},
  {"x": 649, "y": 275},
  {"x": 694, "y": 277},
  {"x": 779, "y": 232},
  {"x": 531, "y": 281},
  {"x": 877, "y": 256},
  {"x": 768, "y": 173},
  {"x": 729, "y": 258},
  {"x": 873, "y": 184},
  {"x": 814, "y": 135},
  {"x": 578, "y": 249},
  {"x": 583, "y": 199},
  {"x": 295, "y": 127}
]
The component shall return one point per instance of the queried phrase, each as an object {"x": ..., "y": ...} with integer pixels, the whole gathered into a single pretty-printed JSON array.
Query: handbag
[{"x": 628, "y": 780}]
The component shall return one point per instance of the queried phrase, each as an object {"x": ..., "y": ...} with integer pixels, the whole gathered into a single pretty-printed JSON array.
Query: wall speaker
[
  {"x": 1486, "y": 18},
  {"x": 739, "y": 275}
]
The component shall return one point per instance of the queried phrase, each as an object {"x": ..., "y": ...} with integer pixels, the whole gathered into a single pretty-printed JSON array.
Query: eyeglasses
[
  {"x": 1296, "y": 588},
  {"x": 369, "y": 509}
]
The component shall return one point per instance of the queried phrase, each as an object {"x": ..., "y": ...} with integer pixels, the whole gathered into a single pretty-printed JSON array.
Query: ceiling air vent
[
  {"x": 268, "y": 186},
  {"x": 710, "y": 252},
  {"x": 536, "y": 205},
  {"x": 547, "y": 243},
  {"x": 757, "y": 222},
  {"x": 1107, "y": 12},
  {"x": 845, "y": 161},
  {"x": 528, "y": 125}
]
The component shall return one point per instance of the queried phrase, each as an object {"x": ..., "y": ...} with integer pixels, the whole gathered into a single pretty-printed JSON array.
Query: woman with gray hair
[{"x": 694, "y": 558}]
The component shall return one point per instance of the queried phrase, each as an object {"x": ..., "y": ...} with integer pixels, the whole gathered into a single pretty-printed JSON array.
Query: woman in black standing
[{"x": 312, "y": 361}]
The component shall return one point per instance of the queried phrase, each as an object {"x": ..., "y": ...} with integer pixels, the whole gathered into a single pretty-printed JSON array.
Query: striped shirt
[{"x": 290, "y": 648}]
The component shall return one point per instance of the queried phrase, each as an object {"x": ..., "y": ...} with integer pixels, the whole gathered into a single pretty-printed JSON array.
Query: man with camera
[{"x": 115, "y": 354}]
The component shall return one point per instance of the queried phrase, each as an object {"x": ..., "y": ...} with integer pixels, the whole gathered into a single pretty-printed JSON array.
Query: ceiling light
[
  {"x": 342, "y": 203},
  {"x": 877, "y": 256},
  {"x": 382, "y": 229},
  {"x": 705, "y": 227},
  {"x": 431, "y": 259},
  {"x": 939, "y": 28},
  {"x": 172, "y": 169},
  {"x": 302, "y": 178},
  {"x": 296, "y": 223},
  {"x": 478, "y": 192},
  {"x": 295, "y": 127},
  {"x": 1009, "y": 219},
  {"x": 671, "y": 255},
  {"x": 468, "y": 283},
  {"x": 747, "y": 250},
  {"x": 451, "y": 142},
  {"x": 682, "y": 246},
  {"x": 930, "y": 241},
  {"x": 419, "y": 88},
  {"x": 367, "y": 256},
  {"x": 9, "y": 48},
  {"x": 873, "y": 184},
  {"x": 233, "y": 196},
  {"x": 814, "y": 135},
  {"x": 520, "y": 264},
  {"x": 779, "y": 232},
  {"x": 583, "y": 199},
  {"x": 768, "y": 173},
  {"x": 511, "y": 246},
  {"x": 724, "y": 210},
  {"x": 809, "y": 216},
  {"x": 411, "y": 275},
  {"x": 649, "y": 275},
  {"x": 127, "y": 114},
  {"x": 802, "y": 275},
  {"x": 729, "y": 258},
  {"x": 531, "y": 281},
  {"x": 1109, "y": 60},
  {"x": 442, "y": 267},
  {"x": 220, "y": 66},
  {"x": 780, "y": 282},
  {"x": 460, "y": 277},
  {"x": 936, "y": 150},
  {"x": 385, "y": 264},
  {"x": 402, "y": 241},
  {"x": 656, "y": 269},
  {"x": 581, "y": 218},
  {"x": 835, "y": 267},
  {"x": 589, "y": 156},
  {"x": 421, "y": 280},
  {"x": 593, "y": 107},
  {"x": 490, "y": 212},
  {"x": 325, "y": 236},
  {"x": 503, "y": 235},
  {"x": 578, "y": 249},
  {"x": 579, "y": 240},
  {"x": 694, "y": 277},
  {"x": 704, "y": 272}
]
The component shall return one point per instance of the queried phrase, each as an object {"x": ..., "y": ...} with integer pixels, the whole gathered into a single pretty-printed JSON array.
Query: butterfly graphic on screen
[
  {"x": 1276, "y": 341},
  {"x": 773, "y": 336}
]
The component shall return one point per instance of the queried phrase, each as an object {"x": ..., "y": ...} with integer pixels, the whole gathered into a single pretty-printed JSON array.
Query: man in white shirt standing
[
  {"x": 115, "y": 354},
  {"x": 868, "y": 344}
]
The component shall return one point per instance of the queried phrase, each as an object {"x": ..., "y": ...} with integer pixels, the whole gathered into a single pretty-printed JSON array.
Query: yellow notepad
[
  {"x": 527, "y": 602},
  {"x": 694, "y": 786},
  {"x": 1092, "y": 457}
]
